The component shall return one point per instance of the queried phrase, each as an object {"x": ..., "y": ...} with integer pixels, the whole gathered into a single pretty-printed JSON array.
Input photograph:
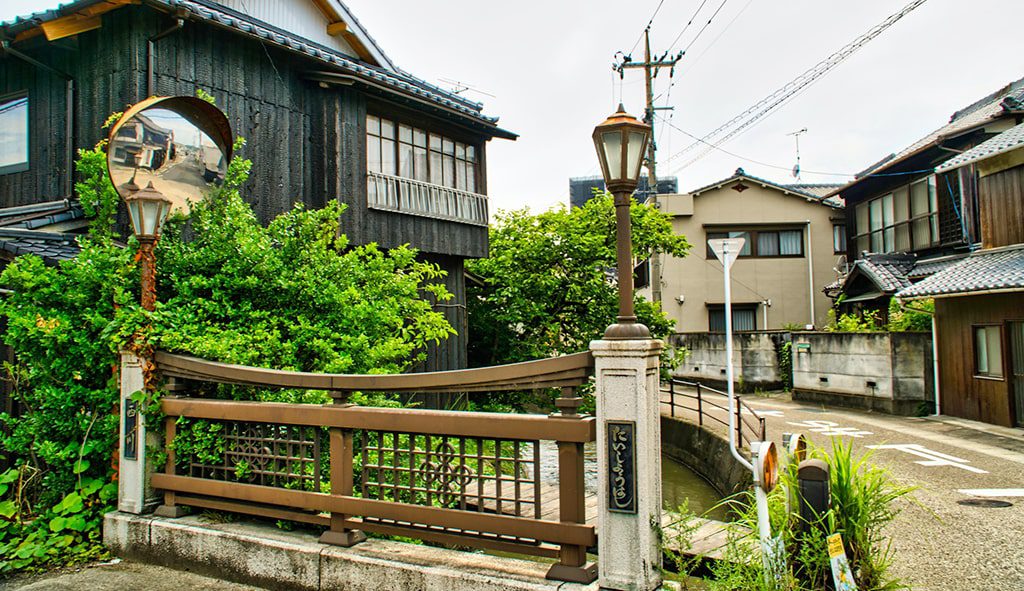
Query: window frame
[
  {"x": 27, "y": 163},
  {"x": 444, "y": 172},
  {"x": 753, "y": 241},
  {"x": 736, "y": 307},
  {"x": 839, "y": 238},
  {"x": 902, "y": 219},
  {"x": 1001, "y": 376}
]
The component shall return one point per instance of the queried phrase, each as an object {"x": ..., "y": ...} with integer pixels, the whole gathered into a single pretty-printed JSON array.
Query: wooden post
[
  {"x": 341, "y": 481},
  {"x": 170, "y": 508}
]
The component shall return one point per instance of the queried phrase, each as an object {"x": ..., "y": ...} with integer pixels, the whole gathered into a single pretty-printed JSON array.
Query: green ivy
[{"x": 293, "y": 295}]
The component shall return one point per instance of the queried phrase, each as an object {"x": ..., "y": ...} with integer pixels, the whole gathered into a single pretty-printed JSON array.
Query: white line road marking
[
  {"x": 768, "y": 413},
  {"x": 932, "y": 458},
  {"x": 830, "y": 428},
  {"x": 993, "y": 492}
]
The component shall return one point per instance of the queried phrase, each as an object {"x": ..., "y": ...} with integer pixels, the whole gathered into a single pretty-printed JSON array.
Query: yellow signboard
[{"x": 841, "y": 575}]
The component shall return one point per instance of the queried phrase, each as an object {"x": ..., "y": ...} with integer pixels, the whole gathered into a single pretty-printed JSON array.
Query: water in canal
[{"x": 678, "y": 483}]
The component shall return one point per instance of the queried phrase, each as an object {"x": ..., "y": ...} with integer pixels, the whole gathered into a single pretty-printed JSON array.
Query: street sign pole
[{"x": 727, "y": 250}]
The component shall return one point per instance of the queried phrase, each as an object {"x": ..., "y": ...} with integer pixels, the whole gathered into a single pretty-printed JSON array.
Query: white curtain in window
[
  {"x": 767, "y": 244},
  {"x": 791, "y": 242}
]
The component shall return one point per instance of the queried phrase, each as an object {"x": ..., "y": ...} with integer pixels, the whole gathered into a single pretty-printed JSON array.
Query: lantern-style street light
[
  {"x": 621, "y": 141},
  {"x": 148, "y": 209}
]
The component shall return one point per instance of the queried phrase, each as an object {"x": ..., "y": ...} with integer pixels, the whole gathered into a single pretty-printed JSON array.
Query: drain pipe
[
  {"x": 179, "y": 23},
  {"x": 69, "y": 115},
  {"x": 810, "y": 273}
]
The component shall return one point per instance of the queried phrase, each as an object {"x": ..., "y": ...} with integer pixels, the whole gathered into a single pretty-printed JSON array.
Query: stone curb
[{"x": 259, "y": 554}]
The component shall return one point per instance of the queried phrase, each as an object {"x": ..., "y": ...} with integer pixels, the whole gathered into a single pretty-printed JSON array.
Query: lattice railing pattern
[
  {"x": 268, "y": 454},
  {"x": 467, "y": 473}
]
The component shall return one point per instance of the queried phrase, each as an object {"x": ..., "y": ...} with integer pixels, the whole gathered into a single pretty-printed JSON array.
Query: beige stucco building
[{"x": 795, "y": 240}]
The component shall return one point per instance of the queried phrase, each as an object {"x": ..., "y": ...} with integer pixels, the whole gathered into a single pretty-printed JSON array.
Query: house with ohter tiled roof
[
  {"x": 920, "y": 204},
  {"x": 793, "y": 239},
  {"x": 327, "y": 116},
  {"x": 979, "y": 300}
]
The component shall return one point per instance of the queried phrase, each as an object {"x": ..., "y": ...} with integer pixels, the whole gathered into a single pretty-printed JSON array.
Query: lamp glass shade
[
  {"x": 135, "y": 213},
  {"x": 611, "y": 143},
  {"x": 148, "y": 209},
  {"x": 634, "y": 154}
]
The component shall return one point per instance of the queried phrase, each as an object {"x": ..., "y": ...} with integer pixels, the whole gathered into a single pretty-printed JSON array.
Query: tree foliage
[
  {"x": 294, "y": 295},
  {"x": 545, "y": 287}
]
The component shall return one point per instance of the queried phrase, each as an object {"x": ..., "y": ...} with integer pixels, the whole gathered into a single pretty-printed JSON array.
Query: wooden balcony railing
[
  {"x": 462, "y": 478},
  {"x": 393, "y": 193}
]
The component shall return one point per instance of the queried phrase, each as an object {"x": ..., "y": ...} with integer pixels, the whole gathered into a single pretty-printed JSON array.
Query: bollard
[{"x": 815, "y": 495}]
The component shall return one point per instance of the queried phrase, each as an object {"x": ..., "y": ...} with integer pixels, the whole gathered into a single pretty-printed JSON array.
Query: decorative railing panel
[
  {"x": 394, "y": 193},
  {"x": 463, "y": 478}
]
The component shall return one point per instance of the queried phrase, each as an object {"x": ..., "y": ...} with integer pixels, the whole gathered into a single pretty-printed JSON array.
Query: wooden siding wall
[
  {"x": 307, "y": 143},
  {"x": 963, "y": 394},
  {"x": 1002, "y": 208}
]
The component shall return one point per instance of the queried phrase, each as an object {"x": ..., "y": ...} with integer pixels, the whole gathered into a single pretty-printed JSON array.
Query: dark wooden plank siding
[
  {"x": 1002, "y": 208},
  {"x": 962, "y": 393}
]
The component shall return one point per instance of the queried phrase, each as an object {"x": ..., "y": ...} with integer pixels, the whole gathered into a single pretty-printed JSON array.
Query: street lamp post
[
  {"x": 621, "y": 141},
  {"x": 148, "y": 209}
]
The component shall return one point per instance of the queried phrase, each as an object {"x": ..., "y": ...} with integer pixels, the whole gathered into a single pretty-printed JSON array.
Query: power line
[
  {"x": 768, "y": 104},
  {"x": 648, "y": 27},
  {"x": 694, "y": 61},
  {"x": 704, "y": 28},
  {"x": 687, "y": 25}
]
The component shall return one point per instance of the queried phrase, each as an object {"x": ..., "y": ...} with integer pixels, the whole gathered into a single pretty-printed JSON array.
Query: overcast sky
[{"x": 548, "y": 65}]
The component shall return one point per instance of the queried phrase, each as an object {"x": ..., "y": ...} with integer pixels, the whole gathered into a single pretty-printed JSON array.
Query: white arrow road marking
[
  {"x": 932, "y": 458},
  {"x": 993, "y": 492},
  {"x": 830, "y": 428}
]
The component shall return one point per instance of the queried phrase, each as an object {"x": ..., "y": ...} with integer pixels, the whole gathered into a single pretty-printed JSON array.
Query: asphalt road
[{"x": 939, "y": 543}]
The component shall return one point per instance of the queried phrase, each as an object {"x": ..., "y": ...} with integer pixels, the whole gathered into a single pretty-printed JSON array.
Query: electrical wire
[
  {"x": 780, "y": 167},
  {"x": 648, "y": 27},
  {"x": 694, "y": 61},
  {"x": 765, "y": 106},
  {"x": 704, "y": 28},
  {"x": 687, "y": 25}
]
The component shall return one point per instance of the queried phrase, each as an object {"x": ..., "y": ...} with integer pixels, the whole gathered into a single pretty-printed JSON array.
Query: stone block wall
[
  {"x": 755, "y": 359},
  {"x": 889, "y": 372}
]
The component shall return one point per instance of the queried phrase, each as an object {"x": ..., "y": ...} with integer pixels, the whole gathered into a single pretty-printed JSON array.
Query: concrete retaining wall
[
  {"x": 889, "y": 372},
  {"x": 755, "y": 359},
  {"x": 704, "y": 452}
]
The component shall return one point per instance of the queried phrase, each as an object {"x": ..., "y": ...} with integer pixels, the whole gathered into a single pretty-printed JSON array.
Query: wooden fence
[{"x": 461, "y": 478}]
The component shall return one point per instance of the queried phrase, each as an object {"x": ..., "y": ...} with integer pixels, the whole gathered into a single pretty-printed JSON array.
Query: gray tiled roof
[
  {"x": 807, "y": 191},
  {"x": 985, "y": 270},
  {"x": 890, "y": 271},
  {"x": 240, "y": 23},
  {"x": 1008, "y": 140},
  {"x": 52, "y": 247}
]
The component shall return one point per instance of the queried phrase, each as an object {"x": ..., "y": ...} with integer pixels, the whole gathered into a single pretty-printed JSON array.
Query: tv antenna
[
  {"x": 461, "y": 87},
  {"x": 796, "y": 135}
]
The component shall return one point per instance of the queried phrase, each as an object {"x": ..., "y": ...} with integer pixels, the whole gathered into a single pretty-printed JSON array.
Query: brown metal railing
[
  {"x": 463, "y": 478},
  {"x": 747, "y": 420}
]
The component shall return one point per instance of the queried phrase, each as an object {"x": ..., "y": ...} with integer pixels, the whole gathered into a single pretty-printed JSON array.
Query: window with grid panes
[
  {"x": 14, "y": 134},
  {"x": 902, "y": 221},
  {"x": 405, "y": 151},
  {"x": 764, "y": 243}
]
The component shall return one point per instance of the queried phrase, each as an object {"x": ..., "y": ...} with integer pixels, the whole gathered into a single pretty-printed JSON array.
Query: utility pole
[{"x": 651, "y": 68}]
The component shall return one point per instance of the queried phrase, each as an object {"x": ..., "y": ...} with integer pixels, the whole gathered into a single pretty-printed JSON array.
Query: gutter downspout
[
  {"x": 935, "y": 354},
  {"x": 69, "y": 115},
  {"x": 810, "y": 272},
  {"x": 179, "y": 23}
]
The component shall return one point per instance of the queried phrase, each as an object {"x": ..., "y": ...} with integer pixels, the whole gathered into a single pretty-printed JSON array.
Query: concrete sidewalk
[{"x": 122, "y": 576}]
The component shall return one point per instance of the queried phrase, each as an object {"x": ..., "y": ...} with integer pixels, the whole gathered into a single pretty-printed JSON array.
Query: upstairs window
[
  {"x": 396, "y": 149},
  {"x": 14, "y": 133},
  {"x": 765, "y": 243},
  {"x": 902, "y": 221},
  {"x": 839, "y": 238}
]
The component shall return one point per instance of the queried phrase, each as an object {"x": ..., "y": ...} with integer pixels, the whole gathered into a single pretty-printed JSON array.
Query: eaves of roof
[
  {"x": 1007, "y": 141},
  {"x": 996, "y": 270},
  {"x": 740, "y": 175},
  {"x": 397, "y": 81}
]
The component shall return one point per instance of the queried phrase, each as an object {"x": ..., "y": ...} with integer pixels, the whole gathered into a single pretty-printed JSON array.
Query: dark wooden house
[
  {"x": 906, "y": 219},
  {"x": 326, "y": 114},
  {"x": 979, "y": 301}
]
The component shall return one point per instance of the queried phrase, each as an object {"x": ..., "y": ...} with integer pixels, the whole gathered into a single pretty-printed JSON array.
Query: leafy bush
[
  {"x": 863, "y": 503},
  {"x": 294, "y": 295},
  {"x": 906, "y": 318}
]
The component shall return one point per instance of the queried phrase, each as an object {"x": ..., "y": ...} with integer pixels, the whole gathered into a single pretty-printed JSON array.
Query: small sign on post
[
  {"x": 841, "y": 574},
  {"x": 622, "y": 466}
]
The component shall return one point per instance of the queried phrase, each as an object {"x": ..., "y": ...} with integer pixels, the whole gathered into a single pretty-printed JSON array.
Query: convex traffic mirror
[{"x": 177, "y": 146}]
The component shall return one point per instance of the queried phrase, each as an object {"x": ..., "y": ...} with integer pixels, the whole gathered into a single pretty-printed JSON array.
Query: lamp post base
[{"x": 626, "y": 328}]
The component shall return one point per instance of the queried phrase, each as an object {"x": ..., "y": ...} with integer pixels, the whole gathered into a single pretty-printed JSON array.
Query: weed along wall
[
  {"x": 704, "y": 452},
  {"x": 755, "y": 358},
  {"x": 889, "y": 372}
]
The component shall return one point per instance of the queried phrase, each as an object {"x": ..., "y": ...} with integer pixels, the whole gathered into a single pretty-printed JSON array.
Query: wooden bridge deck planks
[{"x": 707, "y": 540}]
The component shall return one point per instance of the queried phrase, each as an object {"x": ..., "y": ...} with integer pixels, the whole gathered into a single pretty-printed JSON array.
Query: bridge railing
[
  {"x": 713, "y": 409},
  {"x": 463, "y": 478}
]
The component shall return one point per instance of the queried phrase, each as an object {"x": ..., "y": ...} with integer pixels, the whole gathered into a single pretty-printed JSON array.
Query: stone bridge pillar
[
  {"x": 629, "y": 463},
  {"x": 134, "y": 493}
]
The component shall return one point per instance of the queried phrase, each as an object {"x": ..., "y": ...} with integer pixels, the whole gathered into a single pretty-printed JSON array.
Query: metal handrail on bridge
[{"x": 756, "y": 428}]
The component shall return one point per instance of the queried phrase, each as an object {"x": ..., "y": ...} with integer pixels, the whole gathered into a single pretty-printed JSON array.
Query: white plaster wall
[{"x": 301, "y": 17}]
